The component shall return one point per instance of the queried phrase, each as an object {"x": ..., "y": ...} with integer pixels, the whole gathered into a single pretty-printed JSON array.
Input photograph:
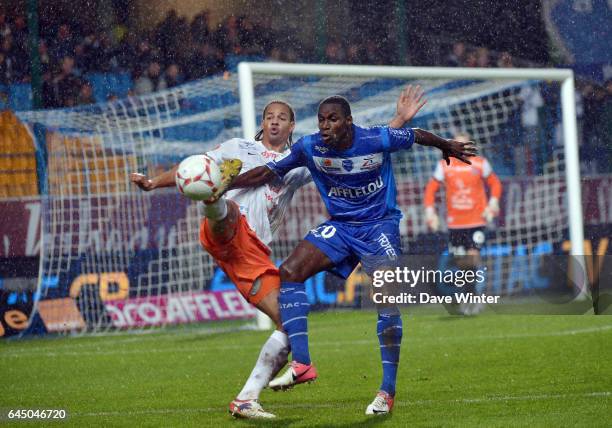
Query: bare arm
[
  {"x": 165, "y": 179},
  {"x": 253, "y": 178},
  {"x": 450, "y": 148}
]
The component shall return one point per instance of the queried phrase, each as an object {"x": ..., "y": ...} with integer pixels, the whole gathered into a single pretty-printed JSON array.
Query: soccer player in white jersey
[
  {"x": 352, "y": 169},
  {"x": 237, "y": 229}
]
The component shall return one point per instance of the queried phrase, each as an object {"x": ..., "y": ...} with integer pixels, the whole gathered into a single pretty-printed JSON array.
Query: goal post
[{"x": 247, "y": 70}]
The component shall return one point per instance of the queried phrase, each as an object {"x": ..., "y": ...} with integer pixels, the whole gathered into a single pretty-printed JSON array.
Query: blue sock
[
  {"x": 389, "y": 330},
  {"x": 294, "y": 308}
]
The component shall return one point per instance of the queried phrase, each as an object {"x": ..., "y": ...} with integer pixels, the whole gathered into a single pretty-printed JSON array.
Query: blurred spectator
[
  {"x": 20, "y": 33},
  {"x": 6, "y": 48},
  {"x": 228, "y": 36},
  {"x": 173, "y": 76},
  {"x": 250, "y": 45},
  {"x": 371, "y": 54},
  {"x": 291, "y": 55},
  {"x": 5, "y": 69},
  {"x": 126, "y": 51},
  {"x": 63, "y": 44},
  {"x": 151, "y": 80},
  {"x": 457, "y": 56},
  {"x": 206, "y": 60},
  {"x": 5, "y": 28},
  {"x": 144, "y": 53},
  {"x": 471, "y": 59},
  {"x": 505, "y": 60},
  {"x": 85, "y": 94},
  {"x": 482, "y": 57},
  {"x": 43, "y": 54},
  {"x": 174, "y": 50},
  {"x": 101, "y": 53},
  {"x": 354, "y": 54},
  {"x": 167, "y": 32},
  {"x": 334, "y": 52},
  {"x": 199, "y": 30},
  {"x": 21, "y": 64},
  {"x": 275, "y": 55},
  {"x": 66, "y": 85},
  {"x": 48, "y": 95},
  {"x": 81, "y": 60}
]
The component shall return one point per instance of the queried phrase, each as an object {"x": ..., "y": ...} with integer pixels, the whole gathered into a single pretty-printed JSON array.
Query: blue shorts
[{"x": 375, "y": 244}]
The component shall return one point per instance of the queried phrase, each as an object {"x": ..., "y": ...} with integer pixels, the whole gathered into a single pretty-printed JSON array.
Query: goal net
[
  {"x": 114, "y": 257},
  {"x": 523, "y": 122}
]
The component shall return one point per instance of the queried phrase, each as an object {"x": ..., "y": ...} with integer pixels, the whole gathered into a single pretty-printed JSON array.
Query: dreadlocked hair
[{"x": 259, "y": 135}]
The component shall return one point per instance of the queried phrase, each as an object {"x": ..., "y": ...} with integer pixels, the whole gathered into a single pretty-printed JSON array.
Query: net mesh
[{"x": 96, "y": 223}]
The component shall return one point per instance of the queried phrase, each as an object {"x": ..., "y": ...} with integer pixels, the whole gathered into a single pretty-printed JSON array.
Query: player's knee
[{"x": 289, "y": 272}]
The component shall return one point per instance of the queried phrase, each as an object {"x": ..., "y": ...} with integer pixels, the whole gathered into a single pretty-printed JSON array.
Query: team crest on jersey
[{"x": 353, "y": 165}]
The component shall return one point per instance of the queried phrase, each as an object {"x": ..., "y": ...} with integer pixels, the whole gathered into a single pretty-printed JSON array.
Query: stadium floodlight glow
[{"x": 247, "y": 70}]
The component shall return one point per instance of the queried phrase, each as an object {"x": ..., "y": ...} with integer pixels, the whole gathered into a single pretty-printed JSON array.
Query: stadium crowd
[{"x": 177, "y": 50}]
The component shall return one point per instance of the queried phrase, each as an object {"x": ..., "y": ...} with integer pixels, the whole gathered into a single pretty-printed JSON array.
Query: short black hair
[{"x": 339, "y": 100}]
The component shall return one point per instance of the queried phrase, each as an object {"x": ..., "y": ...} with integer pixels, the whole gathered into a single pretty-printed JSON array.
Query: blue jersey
[{"x": 356, "y": 184}]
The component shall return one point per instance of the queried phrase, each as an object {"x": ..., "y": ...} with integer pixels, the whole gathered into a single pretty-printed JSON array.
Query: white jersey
[{"x": 263, "y": 206}]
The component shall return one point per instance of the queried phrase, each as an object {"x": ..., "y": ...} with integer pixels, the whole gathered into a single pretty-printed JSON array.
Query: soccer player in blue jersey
[{"x": 351, "y": 167}]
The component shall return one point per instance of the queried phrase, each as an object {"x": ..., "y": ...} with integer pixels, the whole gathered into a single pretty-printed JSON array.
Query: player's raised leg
[
  {"x": 223, "y": 230},
  {"x": 305, "y": 261}
]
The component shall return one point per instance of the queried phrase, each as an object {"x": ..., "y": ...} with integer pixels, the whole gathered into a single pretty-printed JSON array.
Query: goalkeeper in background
[{"x": 467, "y": 208}]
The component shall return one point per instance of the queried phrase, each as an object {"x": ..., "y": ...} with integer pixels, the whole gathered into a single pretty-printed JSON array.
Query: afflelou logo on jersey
[{"x": 356, "y": 192}]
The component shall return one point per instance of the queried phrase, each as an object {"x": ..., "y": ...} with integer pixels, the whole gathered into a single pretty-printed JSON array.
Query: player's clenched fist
[{"x": 141, "y": 181}]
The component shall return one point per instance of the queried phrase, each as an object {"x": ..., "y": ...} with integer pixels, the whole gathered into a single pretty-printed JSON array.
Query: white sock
[
  {"x": 272, "y": 358},
  {"x": 217, "y": 210}
]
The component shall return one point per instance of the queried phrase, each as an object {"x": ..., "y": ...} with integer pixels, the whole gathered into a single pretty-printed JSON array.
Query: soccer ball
[{"x": 198, "y": 177}]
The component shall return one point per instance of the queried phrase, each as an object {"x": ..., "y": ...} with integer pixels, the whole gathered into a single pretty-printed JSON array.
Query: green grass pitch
[{"x": 490, "y": 370}]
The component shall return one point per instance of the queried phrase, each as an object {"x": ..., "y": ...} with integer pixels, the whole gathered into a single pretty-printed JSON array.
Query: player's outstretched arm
[
  {"x": 450, "y": 148},
  {"x": 409, "y": 103},
  {"x": 165, "y": 179},
  {"x": 253, "y": 178}
]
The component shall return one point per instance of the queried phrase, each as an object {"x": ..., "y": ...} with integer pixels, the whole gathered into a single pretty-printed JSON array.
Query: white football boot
[
  {"x": 249, "y": 409},
  {"x": 382, "y": 404}
]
